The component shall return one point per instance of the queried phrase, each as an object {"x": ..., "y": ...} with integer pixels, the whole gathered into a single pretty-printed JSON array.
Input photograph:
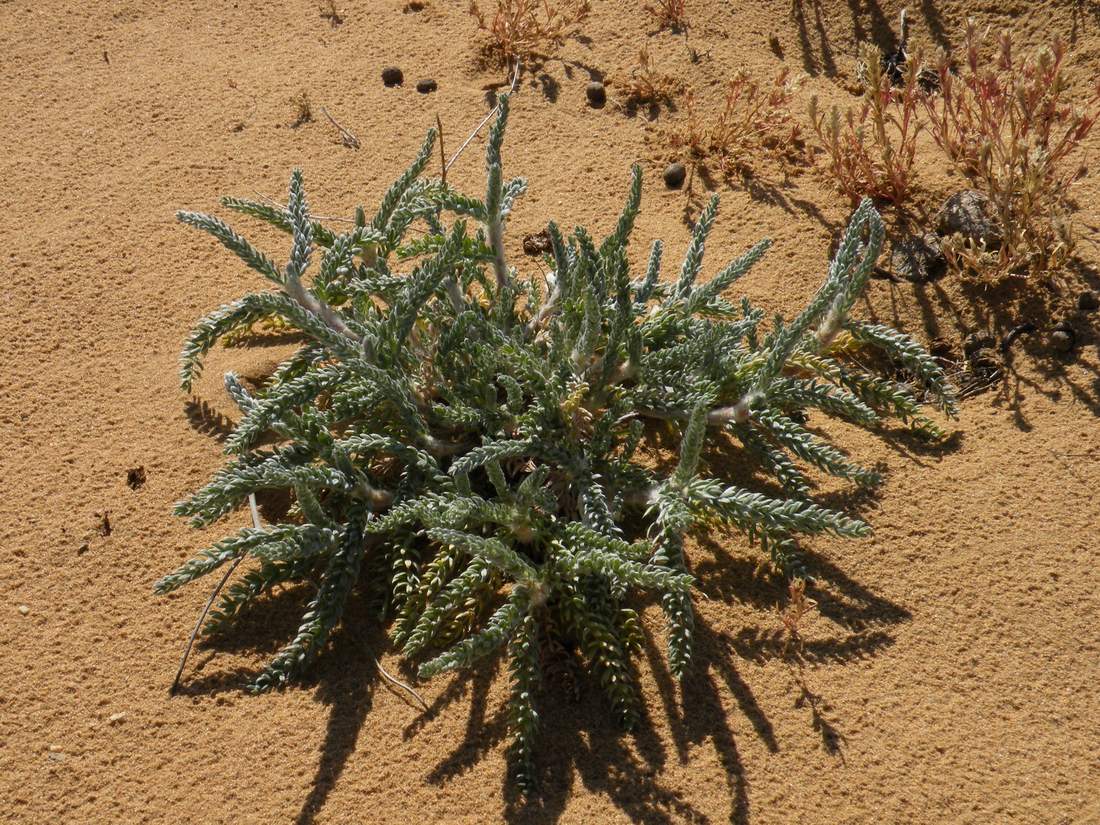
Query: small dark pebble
[
  {"x": 969, "y": 213},
  {"x": 83, "y": 548},
  {"x": 674, "y": 175},
  {"x": 537, "y": 244},
  {"x": 392, "y": 76},
  {"x": 1064, "y": 337},
  {"x": 977, "y": 341},
  {"x": 426, "y": 85},
  {"x": 1088, "y": 301},
  {"x": 135, "y": 478},
  {"x": 597, "y": 94},
  {"x": 918, "y": 258}
]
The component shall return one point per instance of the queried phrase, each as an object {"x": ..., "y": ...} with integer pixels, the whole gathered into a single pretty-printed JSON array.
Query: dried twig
[
  {"x": 798, "y": 606},
  {"x": 213, "y": 595},
  {"x": 385, "y": 674},
  {"x": 346, "y": 137},
  {"x": 487, "y": 118}
]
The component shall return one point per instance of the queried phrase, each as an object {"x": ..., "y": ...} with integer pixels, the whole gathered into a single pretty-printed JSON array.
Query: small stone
[
  {"x": 55, "y": 757},
  {"x": 918, "y": 258},
  {"x": 24, "y": 610},
  {"x": 1088, "y": 301},
  {"x": 426, "y": 85},
  {"x": 83, "y": 548},
  {"x": 1061, "y": 341},
  {"x": 675, "y": 173},
  {"x": 970, "y": 214},
  {"x": 136, "y": 478},
  {"x": 597, "y": 94},
  {"x": 1064, "y": 337},
  {"x": 54, "y": 749},
  {"x": 115, "y": 718},
  {"x": 977, "y": 341},
  {"x": 392, "y": 76}
]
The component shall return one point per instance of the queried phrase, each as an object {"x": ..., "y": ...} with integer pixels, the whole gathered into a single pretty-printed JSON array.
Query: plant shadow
[
  {"x": 579, "y": 742},
  {"x": 344, "y": 677},
  {"x": 581, "y": 747},
  {"x": 208, "y": 421},
  {"x": 1018, "y": 315}
]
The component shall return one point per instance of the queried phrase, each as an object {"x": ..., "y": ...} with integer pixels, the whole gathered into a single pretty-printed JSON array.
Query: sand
[{"x": 949, "y": 673}]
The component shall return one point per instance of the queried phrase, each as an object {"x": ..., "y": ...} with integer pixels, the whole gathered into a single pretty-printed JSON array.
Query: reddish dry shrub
[
  {"x": 670, "y": 14},
  {"x": 647, "y": 86},
  {"x": 524, "y": 29},
  {"x": 1010, "y": 127},
  {"x": 871, "y": 148},
  {"x": 755, "y": 116}
]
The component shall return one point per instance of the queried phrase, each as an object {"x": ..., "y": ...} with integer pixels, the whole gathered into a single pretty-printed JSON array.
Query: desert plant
[
  {"x": 646, "y": 85},
  {"x": 475, "y": 447},
  {"x": 526, "y": 29},
  {"x": 755, "y": 116},
  {"x": 1010, "y": 127},
  {"x": 871, "y": 148},
  {"x": 798, "y": 606},
  {"x": 303, "y": 109},
  {"x": 670, "y": 14}
]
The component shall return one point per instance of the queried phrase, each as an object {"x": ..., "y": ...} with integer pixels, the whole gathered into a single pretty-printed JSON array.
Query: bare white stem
[
  {"x": 385, "y": 674},
  {"x": 737, "y": 413},
  {"x": 486, "y": 119},
  {"x": 329, "y": 317},
  {"x": 213, "y": 595}
]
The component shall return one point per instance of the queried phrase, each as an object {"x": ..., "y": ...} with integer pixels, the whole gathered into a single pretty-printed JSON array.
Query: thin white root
[{"x": 395, "y": 682}]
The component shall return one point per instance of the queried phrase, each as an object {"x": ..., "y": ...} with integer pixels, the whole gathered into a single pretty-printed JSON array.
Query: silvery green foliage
[{"x": 465, "y": 440}]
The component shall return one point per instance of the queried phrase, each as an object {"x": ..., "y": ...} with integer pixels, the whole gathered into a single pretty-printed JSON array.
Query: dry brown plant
[
  {"x": 525, "y": 29},
  {"x": 647, "y": 86},
  {"x": 1012, "y": 128},
  {"x": 871, "y": 148},
  {"x": 755, "y": 116},
  {"x": 798, "y": 605},
  {"x": 303, "y": 109},
  {"x": 670, "y": 14}
]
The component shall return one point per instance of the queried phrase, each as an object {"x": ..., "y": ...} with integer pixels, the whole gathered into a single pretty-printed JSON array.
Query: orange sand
[{"x": 949, "y": 674}]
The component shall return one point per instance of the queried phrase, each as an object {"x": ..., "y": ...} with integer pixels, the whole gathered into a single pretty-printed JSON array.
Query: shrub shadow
[
  {"x": 344, "y": 677},
  {"x": 208, "y": 421},
  {"x": 579, "y": 742},
  {"x": 1020, "y": 315}
]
